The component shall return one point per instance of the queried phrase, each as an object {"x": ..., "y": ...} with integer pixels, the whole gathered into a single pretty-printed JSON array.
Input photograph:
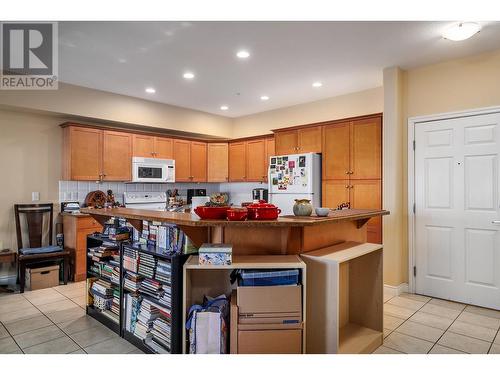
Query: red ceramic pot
[
  {"x": 212, "y": 213},
  {"x": 263, "y": 211},
  {"x": 235, "y": 214}
]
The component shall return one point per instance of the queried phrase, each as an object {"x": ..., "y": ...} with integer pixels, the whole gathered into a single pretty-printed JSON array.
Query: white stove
[{"x": 147, "y": 201}]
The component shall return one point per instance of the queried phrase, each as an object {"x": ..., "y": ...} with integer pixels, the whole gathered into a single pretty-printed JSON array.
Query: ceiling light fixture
[
  {"x": 188, "y": 75},
  {"x": 317, "y": 84},
  {"x": 224, "y": 107},
  {"x": 243, "y": 54},
  {"x": 461, "y": 31},
  {"x": 150, "y": 90},
  {"x": 264, "y": 97}
]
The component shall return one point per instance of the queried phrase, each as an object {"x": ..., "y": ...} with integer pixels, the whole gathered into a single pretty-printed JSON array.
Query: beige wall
[
  {"x": 74, "y": 101},
  {"x": 350, "y": 105},
  {"x": 30, "y": 160},
  {"x": 461, "y": 84}
]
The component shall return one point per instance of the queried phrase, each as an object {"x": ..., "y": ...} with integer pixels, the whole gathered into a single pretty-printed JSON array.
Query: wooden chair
[{"x": 36, "y": 253}]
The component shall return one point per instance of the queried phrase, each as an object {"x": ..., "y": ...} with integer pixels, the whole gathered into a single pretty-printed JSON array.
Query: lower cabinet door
[
  {"x": 271, "y": 341},
  {"x": 368, "y": 194},
  {"x": 335, "y": 192}
]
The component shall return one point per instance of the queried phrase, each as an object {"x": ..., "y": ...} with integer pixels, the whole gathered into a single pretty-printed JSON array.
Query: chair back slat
[{"x": 34, "y": 214}]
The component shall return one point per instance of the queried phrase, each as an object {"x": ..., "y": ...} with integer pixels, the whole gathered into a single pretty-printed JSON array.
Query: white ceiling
[{"x": 286, "y": 57}]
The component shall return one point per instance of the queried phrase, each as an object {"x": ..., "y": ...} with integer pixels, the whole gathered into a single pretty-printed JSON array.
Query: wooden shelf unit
[
  {"x": 201, "y": 280},
  {"x": 345, "y": 291}
]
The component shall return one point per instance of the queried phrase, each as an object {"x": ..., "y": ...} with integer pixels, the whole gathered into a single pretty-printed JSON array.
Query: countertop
[{"x": 188, "y": 219}]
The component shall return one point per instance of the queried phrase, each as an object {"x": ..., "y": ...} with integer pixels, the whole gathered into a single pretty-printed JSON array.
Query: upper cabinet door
[
  {"x": 164, "y": 148},
  {"x": 117, "y": 156},
  {"x": 218, "y": 163},
  {"x": 286, "y": 142},
  {"x": 198, "y": 162},
  {"x": 366, "y": 149},
  {"x": 309, "y": 139},
  {"x": 182, "y": 156},
  {"x": 256, "y": 160},
  {"x": 237, "y": 161},
  {"x": 336, "y": 145},
  {"x": 143, "y": 146},
  {"x": 82, "y": 153}
]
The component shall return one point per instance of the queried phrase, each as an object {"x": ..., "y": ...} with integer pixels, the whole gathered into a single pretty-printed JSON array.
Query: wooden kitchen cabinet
[
  {"x": 143, "y": 146},
  {"x": 306, "y": 139},
  {"x": 270, "y": 148},
  {"x": 256, "y": 160},
  {"x": 366, "y": 149},
  {"x": 336, "y": 154},
  {"x": 237, "y": 161},
  {"x": 198, "y": 162},
  {"x": 116, "y": 156},
  {"x": 182, "y": 157},
  {"x": 286, "y": 142},
  {"x": 217, "y": 162},
  {"x": 335, "y": 192},
  {"x": 309, "y": 139},
  {"x": 164, "y": 148},
  {"x": 148, "y": 146},
  {"x": 93, "y": 154},
  {"x": 190, "y": 161},
  {"x": 82, "y": 154},
  {"x": 76, "y": 228},
  {"x": 353, "y": 149}
]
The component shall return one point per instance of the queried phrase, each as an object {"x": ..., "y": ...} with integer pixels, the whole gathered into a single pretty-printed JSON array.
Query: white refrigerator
[{"x": 296, "y": 176}]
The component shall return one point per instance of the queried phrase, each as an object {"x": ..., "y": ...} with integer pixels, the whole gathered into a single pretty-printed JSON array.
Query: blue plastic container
[{"x": 268, "y": 277}]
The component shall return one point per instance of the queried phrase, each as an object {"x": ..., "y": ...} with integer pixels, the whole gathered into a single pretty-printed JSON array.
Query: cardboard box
[
  {"x": 283, "y": 341},
  {"x": 274, "y": 300},
  {"x": 43, "y": 277}
]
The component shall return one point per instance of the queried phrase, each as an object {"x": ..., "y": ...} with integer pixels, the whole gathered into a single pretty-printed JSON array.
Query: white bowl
[{"x": 322, "y": 211}]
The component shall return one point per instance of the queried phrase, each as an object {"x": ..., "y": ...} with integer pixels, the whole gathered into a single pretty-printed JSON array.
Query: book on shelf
[{"x": 132, "y": 281}]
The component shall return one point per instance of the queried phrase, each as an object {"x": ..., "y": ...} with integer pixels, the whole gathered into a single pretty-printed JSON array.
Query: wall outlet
[{"x": 35, "y": 196}]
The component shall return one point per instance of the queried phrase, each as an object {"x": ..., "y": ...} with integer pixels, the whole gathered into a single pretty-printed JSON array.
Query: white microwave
[{"x": 153, "y": 170}]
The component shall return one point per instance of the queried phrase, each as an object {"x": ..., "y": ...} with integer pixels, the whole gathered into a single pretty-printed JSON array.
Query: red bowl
[
  {"x": 213, "y": 213},
  {"x": 237, "y": 214},
  {"x": 263, "y": 211}
]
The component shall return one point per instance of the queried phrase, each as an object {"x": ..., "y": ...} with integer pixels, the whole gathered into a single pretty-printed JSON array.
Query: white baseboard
[{"x": 394, "y": 291}]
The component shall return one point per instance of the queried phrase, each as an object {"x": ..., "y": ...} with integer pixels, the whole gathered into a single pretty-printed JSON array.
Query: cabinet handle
[
  {"x": 351, "y": 172},
  {"x": 351, "y": 187},
  {"x": 346, "y": 172},
  {"x": 347, "y": 186}
]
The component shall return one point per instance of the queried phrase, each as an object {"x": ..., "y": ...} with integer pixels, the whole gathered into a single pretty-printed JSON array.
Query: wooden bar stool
[{"x": 36, "y": 253}]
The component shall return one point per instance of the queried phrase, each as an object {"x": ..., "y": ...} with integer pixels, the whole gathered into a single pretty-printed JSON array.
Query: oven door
[{"x": 142, "y": 172}]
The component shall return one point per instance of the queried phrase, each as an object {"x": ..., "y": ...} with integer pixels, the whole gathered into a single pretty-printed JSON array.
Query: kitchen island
[{"x": 286, "y": 235}]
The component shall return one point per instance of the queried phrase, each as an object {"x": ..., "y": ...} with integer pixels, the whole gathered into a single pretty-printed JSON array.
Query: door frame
[{"x": 412, "y": 123}]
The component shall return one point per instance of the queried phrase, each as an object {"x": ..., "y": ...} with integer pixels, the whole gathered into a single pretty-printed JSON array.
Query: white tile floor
[
  {"x": 417, "y": 324},
  {"x": 54, "y": 321}
]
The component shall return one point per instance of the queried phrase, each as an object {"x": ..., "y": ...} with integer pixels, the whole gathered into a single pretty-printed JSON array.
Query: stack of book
[
  {"x": 151, "y": 287},
  {"x": 132, "y": 307},
  {"x": 130, "y": 259},
  {"x": 161, "y": 334},
  {"x": 170, "y": 238},
  {"x": 147, "y": 265},
  {"x": 106, "y": 270},
  {"x": 115, "y": 276},
  {"x": 102, "y": 288},
  {"x": 147, "y": 314},
  {"x": 103, "y": 252},
  {"x": 166, "y": 297},
  {"x": 115, "y": 306},
  {"x": 132, "y": 281},
  {"x": 163, "y": 272}
]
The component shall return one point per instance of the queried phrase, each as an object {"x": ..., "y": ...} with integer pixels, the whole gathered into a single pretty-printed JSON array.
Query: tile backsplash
[{"x": 78, "y": 190}]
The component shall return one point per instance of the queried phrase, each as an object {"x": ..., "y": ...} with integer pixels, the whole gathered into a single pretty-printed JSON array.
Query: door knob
[{"x": 497, "y": 222}]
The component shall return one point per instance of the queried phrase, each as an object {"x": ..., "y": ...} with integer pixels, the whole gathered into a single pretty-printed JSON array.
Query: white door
[{"x": 457, "y": 183}]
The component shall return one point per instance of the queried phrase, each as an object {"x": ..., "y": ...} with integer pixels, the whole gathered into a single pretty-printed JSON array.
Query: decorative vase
[{"x": 302, "y": 207}]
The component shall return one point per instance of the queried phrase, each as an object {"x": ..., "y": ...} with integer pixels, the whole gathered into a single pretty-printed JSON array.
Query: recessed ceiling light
[
  {"x": 461, "y": 31},
  {"x": 122, "y": 60},
  {"x": 243, "y": 54},
  {"x": 150, "y": 90},
  {"x": 317, "y": 84},
  {"x": 188, "y": 75},
  {"x": 224, "y": 107},
  {"x": 264, "y": 97}
]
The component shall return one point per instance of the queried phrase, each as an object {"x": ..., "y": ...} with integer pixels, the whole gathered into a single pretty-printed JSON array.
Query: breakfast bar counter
[{"x": 285, "y": 235}]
